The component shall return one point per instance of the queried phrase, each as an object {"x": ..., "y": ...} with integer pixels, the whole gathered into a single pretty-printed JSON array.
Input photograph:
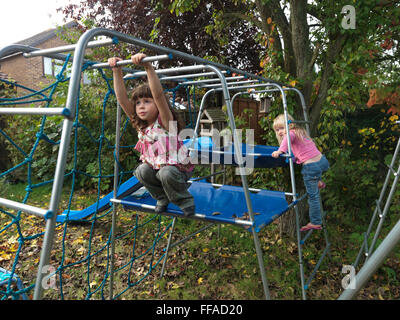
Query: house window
[
  {"x": 52, "y": 67},
  {"x": 47, "y": 66}
]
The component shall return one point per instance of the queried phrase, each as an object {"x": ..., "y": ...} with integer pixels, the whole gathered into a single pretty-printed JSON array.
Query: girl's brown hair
[{"x": 143, "y": 91}]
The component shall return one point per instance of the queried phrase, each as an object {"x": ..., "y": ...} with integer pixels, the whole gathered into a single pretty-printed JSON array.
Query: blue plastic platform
[
  {"x": 225, "y": 204},
  {"x": 255, "y": 156}
]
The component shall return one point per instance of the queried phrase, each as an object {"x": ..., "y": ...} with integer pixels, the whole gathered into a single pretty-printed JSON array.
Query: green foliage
[
  {"x": 358, "y": 145},
  {"x": 182, "y": 6},
  {"x": 353, "y": 181},
  {"x": 87, "y": 133}
]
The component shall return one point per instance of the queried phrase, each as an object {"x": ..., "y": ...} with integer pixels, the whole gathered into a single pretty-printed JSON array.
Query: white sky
[{"x": 21, "y": 19}]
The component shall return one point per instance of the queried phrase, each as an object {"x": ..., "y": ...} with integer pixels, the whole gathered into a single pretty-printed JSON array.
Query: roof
[
  {"x": 45, "y": 35},
  {"x": 40, "y": 38},
  {"x": 213, "y": 115}
]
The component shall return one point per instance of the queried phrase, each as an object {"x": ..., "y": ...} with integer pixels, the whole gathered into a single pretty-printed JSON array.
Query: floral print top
[{"x": 159, "y": 148}]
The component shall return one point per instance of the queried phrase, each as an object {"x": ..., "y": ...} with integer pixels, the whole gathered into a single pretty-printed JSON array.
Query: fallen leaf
[
  {"x": 4, "y": 257},
  {"x": 175, "y": 286},
  {"x": 81, "y": 250}
]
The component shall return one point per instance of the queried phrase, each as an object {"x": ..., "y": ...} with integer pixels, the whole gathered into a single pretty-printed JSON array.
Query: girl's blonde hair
[
  {"x": 300, "y": 132},
  {"x": 143, "y": 91}
]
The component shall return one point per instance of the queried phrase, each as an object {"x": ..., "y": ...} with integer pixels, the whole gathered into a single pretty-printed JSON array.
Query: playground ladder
[{"x": 378, "y": 212}]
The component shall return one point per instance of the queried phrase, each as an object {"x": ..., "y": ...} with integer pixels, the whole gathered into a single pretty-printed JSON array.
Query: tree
[
  {"x": 153, "y": 21},
  {"x": 308, "y": 40}
]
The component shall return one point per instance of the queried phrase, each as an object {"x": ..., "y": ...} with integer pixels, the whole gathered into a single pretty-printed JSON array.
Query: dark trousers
[{"x": 168, "y": 184}]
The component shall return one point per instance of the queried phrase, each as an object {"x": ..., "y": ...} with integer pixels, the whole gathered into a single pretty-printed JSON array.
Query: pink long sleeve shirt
[{"x": 303, "y": 149}]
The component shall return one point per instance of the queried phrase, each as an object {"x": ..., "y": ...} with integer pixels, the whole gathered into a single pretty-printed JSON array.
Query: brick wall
[{"x": 29, "y": 71}]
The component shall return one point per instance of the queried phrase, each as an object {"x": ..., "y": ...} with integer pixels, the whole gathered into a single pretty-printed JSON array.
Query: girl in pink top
[
  {"x": 314, "y": 164},
  {"x": 166, "y": 163}
]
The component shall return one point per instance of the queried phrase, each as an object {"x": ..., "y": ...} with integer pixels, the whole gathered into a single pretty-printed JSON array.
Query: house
[{"x": 32, "y": 72}]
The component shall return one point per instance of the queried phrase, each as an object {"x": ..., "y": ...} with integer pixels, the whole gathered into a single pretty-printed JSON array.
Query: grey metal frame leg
[
  {"x": 168, "y": 247},
  {"x": 300, "y": 253},
  {"x": 305, "y": 284},
  {"x": 261, "y": 264}
]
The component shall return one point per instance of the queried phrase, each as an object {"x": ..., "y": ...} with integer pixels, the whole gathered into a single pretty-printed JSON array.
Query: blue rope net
[{"x": 80, "y": 260}]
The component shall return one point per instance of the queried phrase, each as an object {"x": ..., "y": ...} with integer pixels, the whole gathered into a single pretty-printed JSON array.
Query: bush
[
  {"x": 359, "y": 161},
  {"x": 92, "y": 130}
]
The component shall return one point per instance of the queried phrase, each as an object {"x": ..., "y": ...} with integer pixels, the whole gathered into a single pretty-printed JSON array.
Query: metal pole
[
  {"x": 244, "y": 179},
  {"x": 114, "y": 212},
  {"x": 268, "y": 84},
  {"x": 54, "y": 203},
  {"x": 66, "y": 48},
  {"x": 373, "y": 263},
  {"x": 229, "y": 83},
  {"x": 17, "y": 48},
  {"x": 168, "y": 246},
  {"x": 39, "y": 212},
  {"x": 168, "y": 71},
  {"x": 36, "y": 111},
  {"x": 212, "y": 80},
  {"x": 202, "y": 103},
  {"x": 303, "y": 105},
  {"x": 385, "y": 211},
  {"x": 127, "y": 62},
  {"x": 184, "y": 76},
  {"x": 61, "y": 162},
  {"x": 177, "y": 54},
  {"x": 292, "y": 177},
  {"x": 173, "y": 212},
  {"x": 293, "y": 182}
]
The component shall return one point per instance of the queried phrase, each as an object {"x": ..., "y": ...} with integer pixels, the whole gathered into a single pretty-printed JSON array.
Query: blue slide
[{"x": 128, "y": 187}]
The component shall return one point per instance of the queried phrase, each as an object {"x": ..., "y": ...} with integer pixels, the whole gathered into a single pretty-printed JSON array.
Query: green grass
[{"x": 211, "y": 265}]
